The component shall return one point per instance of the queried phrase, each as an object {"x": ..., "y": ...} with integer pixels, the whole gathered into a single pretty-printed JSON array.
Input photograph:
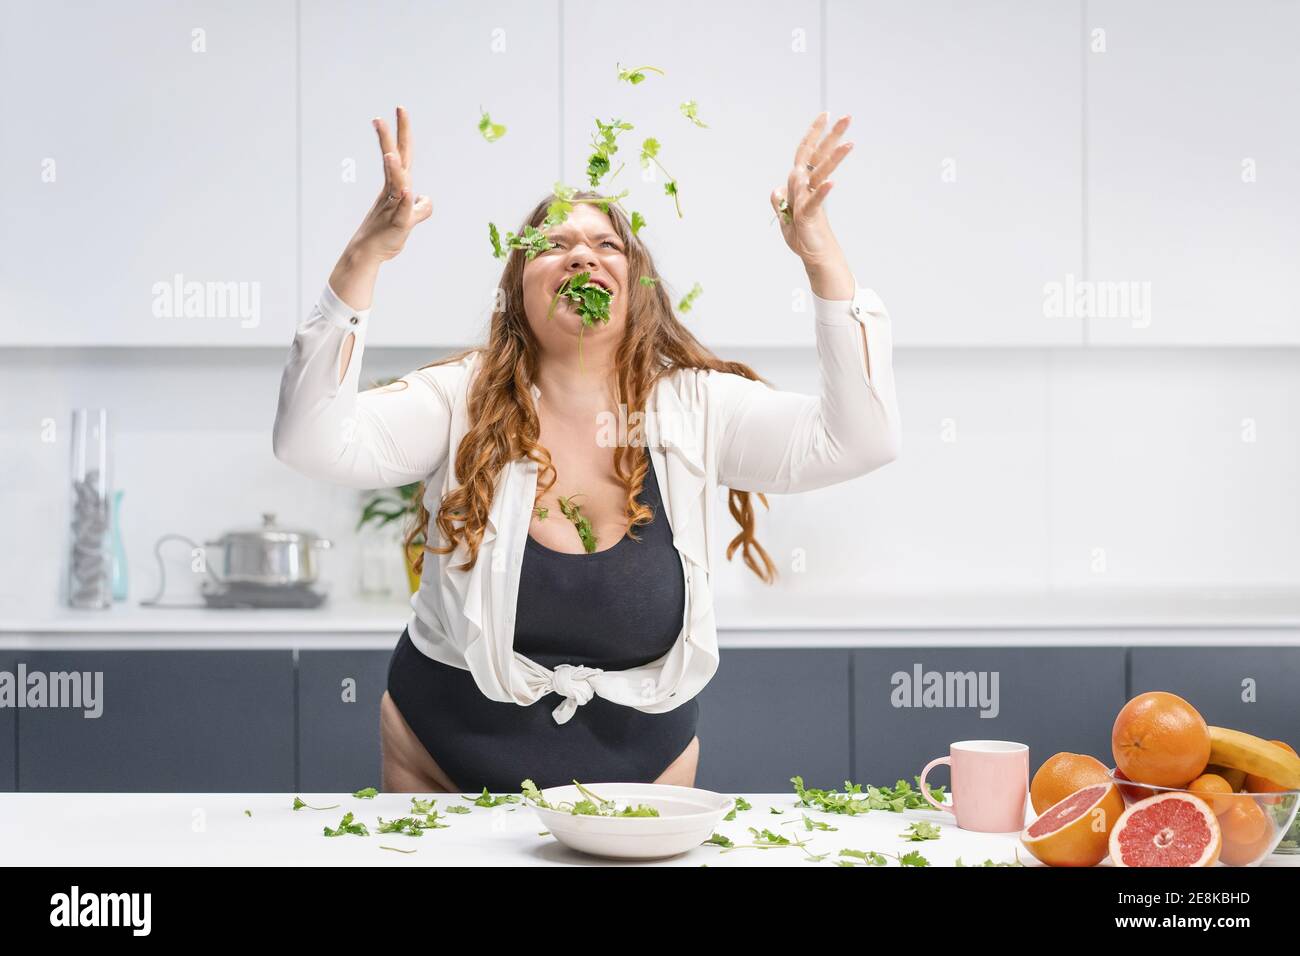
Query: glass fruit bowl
[{"x": 1251, "y": 825}]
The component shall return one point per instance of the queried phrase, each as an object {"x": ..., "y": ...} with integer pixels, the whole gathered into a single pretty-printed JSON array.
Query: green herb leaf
[
  {"x": 921, "y": 830},
  {"x": 532, "y": 242},
  {"x": 299, "y": 805},
  {"x": 689, "y": 299},
  {"x": 635, "y": 76},
  {"x": 741, "y": 804},
  {"x": 407, "y": 825},
  {"x": 491, "y": 131},
  {"x": 688, "y": 110},
  {"x": 581, "y": 522},
  {"x": 604, "y": 146},
  {"x": 485, "y": 799},
  {"x": 347, "y": 825},
  {"x": 369, "y": 793}
]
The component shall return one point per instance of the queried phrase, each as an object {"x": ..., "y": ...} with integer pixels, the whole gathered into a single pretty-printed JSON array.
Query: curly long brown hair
[{"x": 503, "y": 421}]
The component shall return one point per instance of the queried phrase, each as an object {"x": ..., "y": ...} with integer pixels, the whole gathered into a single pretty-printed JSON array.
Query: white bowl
[{"x": 687, "y": 818}]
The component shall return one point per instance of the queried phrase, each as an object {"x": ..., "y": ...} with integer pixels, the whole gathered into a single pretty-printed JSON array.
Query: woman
[{"x": 536, "y": 469}]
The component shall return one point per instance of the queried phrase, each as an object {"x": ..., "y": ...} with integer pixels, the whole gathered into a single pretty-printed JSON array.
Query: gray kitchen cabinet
[
  {"x": 171, "y": 721},
  {"x": 769, "y": 714},
  {"x": 8, "y": 736},
  {"x": 1052, "y": 699},
  {"x": 1246, "y": 688},
  {"x": 338, "y": 719}
]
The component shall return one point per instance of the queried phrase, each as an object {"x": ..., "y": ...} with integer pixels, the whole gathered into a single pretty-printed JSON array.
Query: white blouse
[{"x": 705, "y": 430}]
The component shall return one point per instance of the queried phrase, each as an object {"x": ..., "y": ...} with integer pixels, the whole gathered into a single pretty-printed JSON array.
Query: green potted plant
[{"x": 387, "y": 505}]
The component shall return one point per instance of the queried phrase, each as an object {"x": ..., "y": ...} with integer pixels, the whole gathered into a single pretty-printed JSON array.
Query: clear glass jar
[{"x": 89, "y": 557}]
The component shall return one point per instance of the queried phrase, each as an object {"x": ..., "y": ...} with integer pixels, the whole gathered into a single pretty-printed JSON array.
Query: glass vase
[{"x": 89, "y": 556}]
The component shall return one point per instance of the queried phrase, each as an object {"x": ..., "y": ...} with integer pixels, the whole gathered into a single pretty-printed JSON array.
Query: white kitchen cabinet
[
  {"x": 753, "y": 71},
  {"x": 442, "y": 62},
  {"x": 147, "y": 150},
  {"x": 1194, "y": 170},
  {"x": 1187, "y": 476},
  {"x": 962, "y": 201}
]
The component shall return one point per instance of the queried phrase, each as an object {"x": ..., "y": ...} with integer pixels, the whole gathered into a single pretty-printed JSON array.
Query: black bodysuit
[{"x": 613, "y": 609}]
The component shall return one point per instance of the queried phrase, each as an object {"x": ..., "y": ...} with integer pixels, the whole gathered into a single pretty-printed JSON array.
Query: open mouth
[{"x": 593, "y": 281}]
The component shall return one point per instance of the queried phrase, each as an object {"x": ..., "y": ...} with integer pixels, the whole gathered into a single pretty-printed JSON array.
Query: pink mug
[{"x": 990, "y": 784}]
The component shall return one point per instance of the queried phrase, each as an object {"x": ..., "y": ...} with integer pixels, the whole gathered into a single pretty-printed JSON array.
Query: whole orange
[
  {"x": 1210, "y": 787},
  {"x": 1258, "y": 784},
  {"x": 1160, "y": 738},
  {"x": 1247, "y": 832},
  {"x": 1063, "y": 774}
]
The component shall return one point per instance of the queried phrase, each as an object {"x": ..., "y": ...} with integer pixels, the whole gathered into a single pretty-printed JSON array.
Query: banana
[{"x": 1254, "y": 755}]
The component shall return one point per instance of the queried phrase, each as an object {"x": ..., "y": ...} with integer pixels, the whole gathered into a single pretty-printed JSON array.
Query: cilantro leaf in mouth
[{"x": 590, "y": 299}]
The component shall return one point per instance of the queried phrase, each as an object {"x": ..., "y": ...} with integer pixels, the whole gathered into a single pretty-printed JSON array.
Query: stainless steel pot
[{"x": 267, "y": 555}]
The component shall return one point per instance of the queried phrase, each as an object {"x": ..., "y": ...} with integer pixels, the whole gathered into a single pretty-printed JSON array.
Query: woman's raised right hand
[{"x": 397, "y": 210}]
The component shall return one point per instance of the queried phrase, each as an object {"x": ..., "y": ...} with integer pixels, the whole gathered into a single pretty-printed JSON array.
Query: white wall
[{"x": 1002, "y": 147}]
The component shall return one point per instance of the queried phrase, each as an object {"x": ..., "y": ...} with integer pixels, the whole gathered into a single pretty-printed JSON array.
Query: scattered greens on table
[
  {"x": 347, "y": 825},
  {"x": 898, "y": 798},
  {"x": 874, "y": 858},
  {"x": 485, "y": 799},
  {"x": 369, "y": 793},
  {"x": 299, "y": 805},
  {"x": 921, "y": 830},
  {"x": 1015, "y": 862},
  {"x": 412, "y": 826},
  {"x": 741, "y": 804}
]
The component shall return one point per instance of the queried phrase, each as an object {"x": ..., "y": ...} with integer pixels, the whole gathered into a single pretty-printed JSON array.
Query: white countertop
[
  {"x": 762, "y": 619},
  {"x": 211, "y": 829}
]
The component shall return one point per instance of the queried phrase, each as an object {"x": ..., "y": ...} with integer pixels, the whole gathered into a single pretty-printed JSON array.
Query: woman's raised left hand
[{"x": 804, "y": 225}]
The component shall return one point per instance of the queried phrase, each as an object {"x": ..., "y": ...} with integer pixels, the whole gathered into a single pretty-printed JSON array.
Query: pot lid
[{"x": 270, "y": 531}]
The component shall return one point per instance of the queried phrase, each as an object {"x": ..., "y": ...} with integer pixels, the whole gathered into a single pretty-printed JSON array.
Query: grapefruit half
[
  {"x": 1170, "y": 829},
  {"x": 1075, "y": 830}
]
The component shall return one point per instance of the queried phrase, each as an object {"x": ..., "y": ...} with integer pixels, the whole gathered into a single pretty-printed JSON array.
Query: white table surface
[{"x": 211, "y": 829}]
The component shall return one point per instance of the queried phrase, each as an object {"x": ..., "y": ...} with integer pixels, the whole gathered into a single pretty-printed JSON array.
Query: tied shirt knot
[{"x": 571, "y": 682}]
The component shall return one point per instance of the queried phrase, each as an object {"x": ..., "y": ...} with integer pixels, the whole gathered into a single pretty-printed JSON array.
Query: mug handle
[{"x": 925, "y": 790}]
